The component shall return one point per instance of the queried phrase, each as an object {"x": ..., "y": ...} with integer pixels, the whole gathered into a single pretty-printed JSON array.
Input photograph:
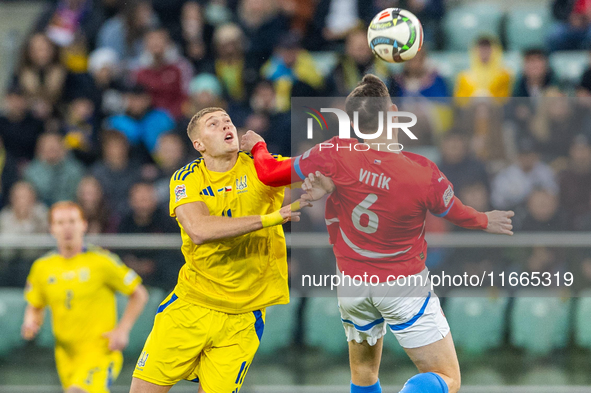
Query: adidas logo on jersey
[{"x": 207, "y": 191}]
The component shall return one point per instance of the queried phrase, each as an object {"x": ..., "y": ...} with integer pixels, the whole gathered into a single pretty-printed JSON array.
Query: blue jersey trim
[
  {"x": 296, "y": 166},
  {"x": 364, "y": 327},
  {"x": 410, "y": 322},
  {"x": 162, "y": 307},
  {"x": 445, "y": 212},
  {"x": 240, "y": 372}
]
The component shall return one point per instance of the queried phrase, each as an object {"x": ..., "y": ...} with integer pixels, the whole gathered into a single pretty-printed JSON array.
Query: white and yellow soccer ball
[{"x": 395, "y": 35}]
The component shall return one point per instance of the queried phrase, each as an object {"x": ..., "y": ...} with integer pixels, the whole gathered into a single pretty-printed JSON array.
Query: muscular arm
[
  {"x": 270, "y": 171},
  {"x": 203, "y": 227},
  {"x": 135, "y": 306}
]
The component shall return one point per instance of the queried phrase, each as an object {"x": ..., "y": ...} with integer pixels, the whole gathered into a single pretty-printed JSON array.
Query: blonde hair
[{"x": 194, "y": 123}]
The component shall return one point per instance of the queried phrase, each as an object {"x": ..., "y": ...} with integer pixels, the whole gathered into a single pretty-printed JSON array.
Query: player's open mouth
[{"x": 229, "y": 137}]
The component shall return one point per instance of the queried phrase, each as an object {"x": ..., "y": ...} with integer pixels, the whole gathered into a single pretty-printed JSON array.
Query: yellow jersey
[
  {"x": 80, "y": 291},
  {"x": 239, "y": 274}
]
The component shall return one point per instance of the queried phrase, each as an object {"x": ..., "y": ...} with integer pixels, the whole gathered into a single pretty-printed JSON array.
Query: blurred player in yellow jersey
[
  {"x": 78, "y": 284},
  {"x": 209, "y": 328}
]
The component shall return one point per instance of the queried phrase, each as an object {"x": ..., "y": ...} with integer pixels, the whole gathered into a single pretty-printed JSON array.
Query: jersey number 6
[{"x": 363, "y": 208}]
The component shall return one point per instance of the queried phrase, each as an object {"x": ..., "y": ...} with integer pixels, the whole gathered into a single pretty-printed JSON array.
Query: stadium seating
[
  {"x": 12, "y": 309},
  {"x": 526, "y": 27},
  {"x": 540, "y": 323},
  {"x": 464, "y": 23},
  {"x": 582, "y": 318},
  {"x": 476, "y": 319},
  {"x": 569, "y": 65},
  {"x": 323, "y": 326},
  {"x": 280, "y": 322},
  {"x": 144, "y": 323}
]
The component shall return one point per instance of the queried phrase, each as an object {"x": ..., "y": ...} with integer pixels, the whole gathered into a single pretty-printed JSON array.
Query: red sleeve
[
  {"x": 442, "y": 202},
  {"x": 465, "y": 216},
  {"x": 322, "y": 157},
  {"x": 270, "y": 171}
]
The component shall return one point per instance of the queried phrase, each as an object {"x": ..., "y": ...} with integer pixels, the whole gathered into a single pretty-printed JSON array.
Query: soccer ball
[{"x": 395, "y": 35}]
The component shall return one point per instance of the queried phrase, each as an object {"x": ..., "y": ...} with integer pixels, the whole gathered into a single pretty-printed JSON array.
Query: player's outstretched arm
[
  {"x": 467, "y": 217},
  {"x": 203, "y": 227},
  {"x": 32, "y": 322},
  {"x": 119, "y": 337},
  {"x": 270, "y": 171}
]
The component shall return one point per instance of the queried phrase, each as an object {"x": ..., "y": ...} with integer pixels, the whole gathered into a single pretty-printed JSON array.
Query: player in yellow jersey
[
  {"x": 78, "y": 284},
  {"x": 210, "y": 326}
]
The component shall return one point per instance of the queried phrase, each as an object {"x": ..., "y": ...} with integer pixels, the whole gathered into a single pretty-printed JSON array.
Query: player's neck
[
  {"x": 222, "y": 163},
  {"x": 70, "y": 251},
  {"x": 381, "y": 144}
]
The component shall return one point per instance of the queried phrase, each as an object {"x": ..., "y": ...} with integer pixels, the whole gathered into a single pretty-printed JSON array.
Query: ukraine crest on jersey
[{"x": 236, "y": 275}]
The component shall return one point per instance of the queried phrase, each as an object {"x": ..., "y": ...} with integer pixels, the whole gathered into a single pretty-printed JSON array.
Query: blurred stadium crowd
[{"x": 97, "y": 107}]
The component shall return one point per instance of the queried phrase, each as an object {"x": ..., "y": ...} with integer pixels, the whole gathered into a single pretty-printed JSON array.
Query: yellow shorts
[
  {"x": 200, "y": 345},
  {"x": 90, "y": 369}
]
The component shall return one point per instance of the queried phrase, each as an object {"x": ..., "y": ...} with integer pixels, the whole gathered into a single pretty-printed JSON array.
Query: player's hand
[
  {"x": 316, "y": 186},
  {"x": 118, "y": 339},
  {"x": 500, "y": 222},
  {"x": 290, "y": 212},
  {"x": 29, "y": 330},
  {"x": 250, "y": 139}
]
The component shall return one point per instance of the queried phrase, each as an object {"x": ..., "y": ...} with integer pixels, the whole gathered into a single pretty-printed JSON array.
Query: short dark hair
[
  {"x": 535, "y": 52},
  {"x": 370, "y": 97}
]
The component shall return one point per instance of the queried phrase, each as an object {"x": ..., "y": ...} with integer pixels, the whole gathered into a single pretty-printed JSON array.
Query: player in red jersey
[{"x": 376, "y": 218}]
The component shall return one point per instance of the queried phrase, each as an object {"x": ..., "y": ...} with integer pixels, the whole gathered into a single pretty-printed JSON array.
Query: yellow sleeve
[
  {"x": 184, "y": 188},
  {"x": 118, "y": 276},
  {"x": 34, "y": 293}
]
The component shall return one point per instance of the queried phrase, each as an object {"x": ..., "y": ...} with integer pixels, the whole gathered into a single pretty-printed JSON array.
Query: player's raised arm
[
  {"x": 270, "y": 171},
  {"x": 203, "y": 227}
]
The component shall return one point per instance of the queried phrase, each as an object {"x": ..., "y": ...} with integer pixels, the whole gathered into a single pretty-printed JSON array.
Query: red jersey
[{"x": 376, "y": 215}]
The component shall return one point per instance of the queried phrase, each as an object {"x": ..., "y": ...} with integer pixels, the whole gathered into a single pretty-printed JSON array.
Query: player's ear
[
  {"x": 198, "y": 145},
  {"x": 393, "y": 108}
]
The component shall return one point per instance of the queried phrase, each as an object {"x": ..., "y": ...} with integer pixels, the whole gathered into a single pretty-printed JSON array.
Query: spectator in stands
[
  {"x": 457, "y": 164},
  {"x": 300, "y": 13},
  {"x": 171, "y": 154},
  {"x": 262, "y": 25},
  {"x": 357, "y": 61},
  {"x": 575, "y": 181},
  {"x": 536, "y": 76},
  {"x": 543, "y": 213},
  {"x": 70, "y": 20},
  {"x": 556, "y": 122},
  {"x": 334, "y": 19},
  {"x": 141, "y": 123},
  {"x": 8, "y": 173},
  {"x": 231, "y": 66},
  {"x": 194, "y": 35},
  {"x": 124, "y": 33},
  {"x": 23, "y": 216},
  {"x": 164, "y": 73},
  {"x": 115, "y": 171},
  {"x": 91, "y": 199},
  {"x": 486, "y": 77},
  {"x": 292, "y": 71},
  {"x": 18, "y": 127},
  {"x": 41, "y": 76},
  {"x": 103, "y": 83},
  {"x": 572, "y": 31},
  {"x": 146, "y": 217},
  {"x": 513, "y": 185},
  {"x": 54, "y": 173},
  {"x": 419, "y": 79},
  {"x": 80, "y": 128},
  {"x": 264, "y": 102}
]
